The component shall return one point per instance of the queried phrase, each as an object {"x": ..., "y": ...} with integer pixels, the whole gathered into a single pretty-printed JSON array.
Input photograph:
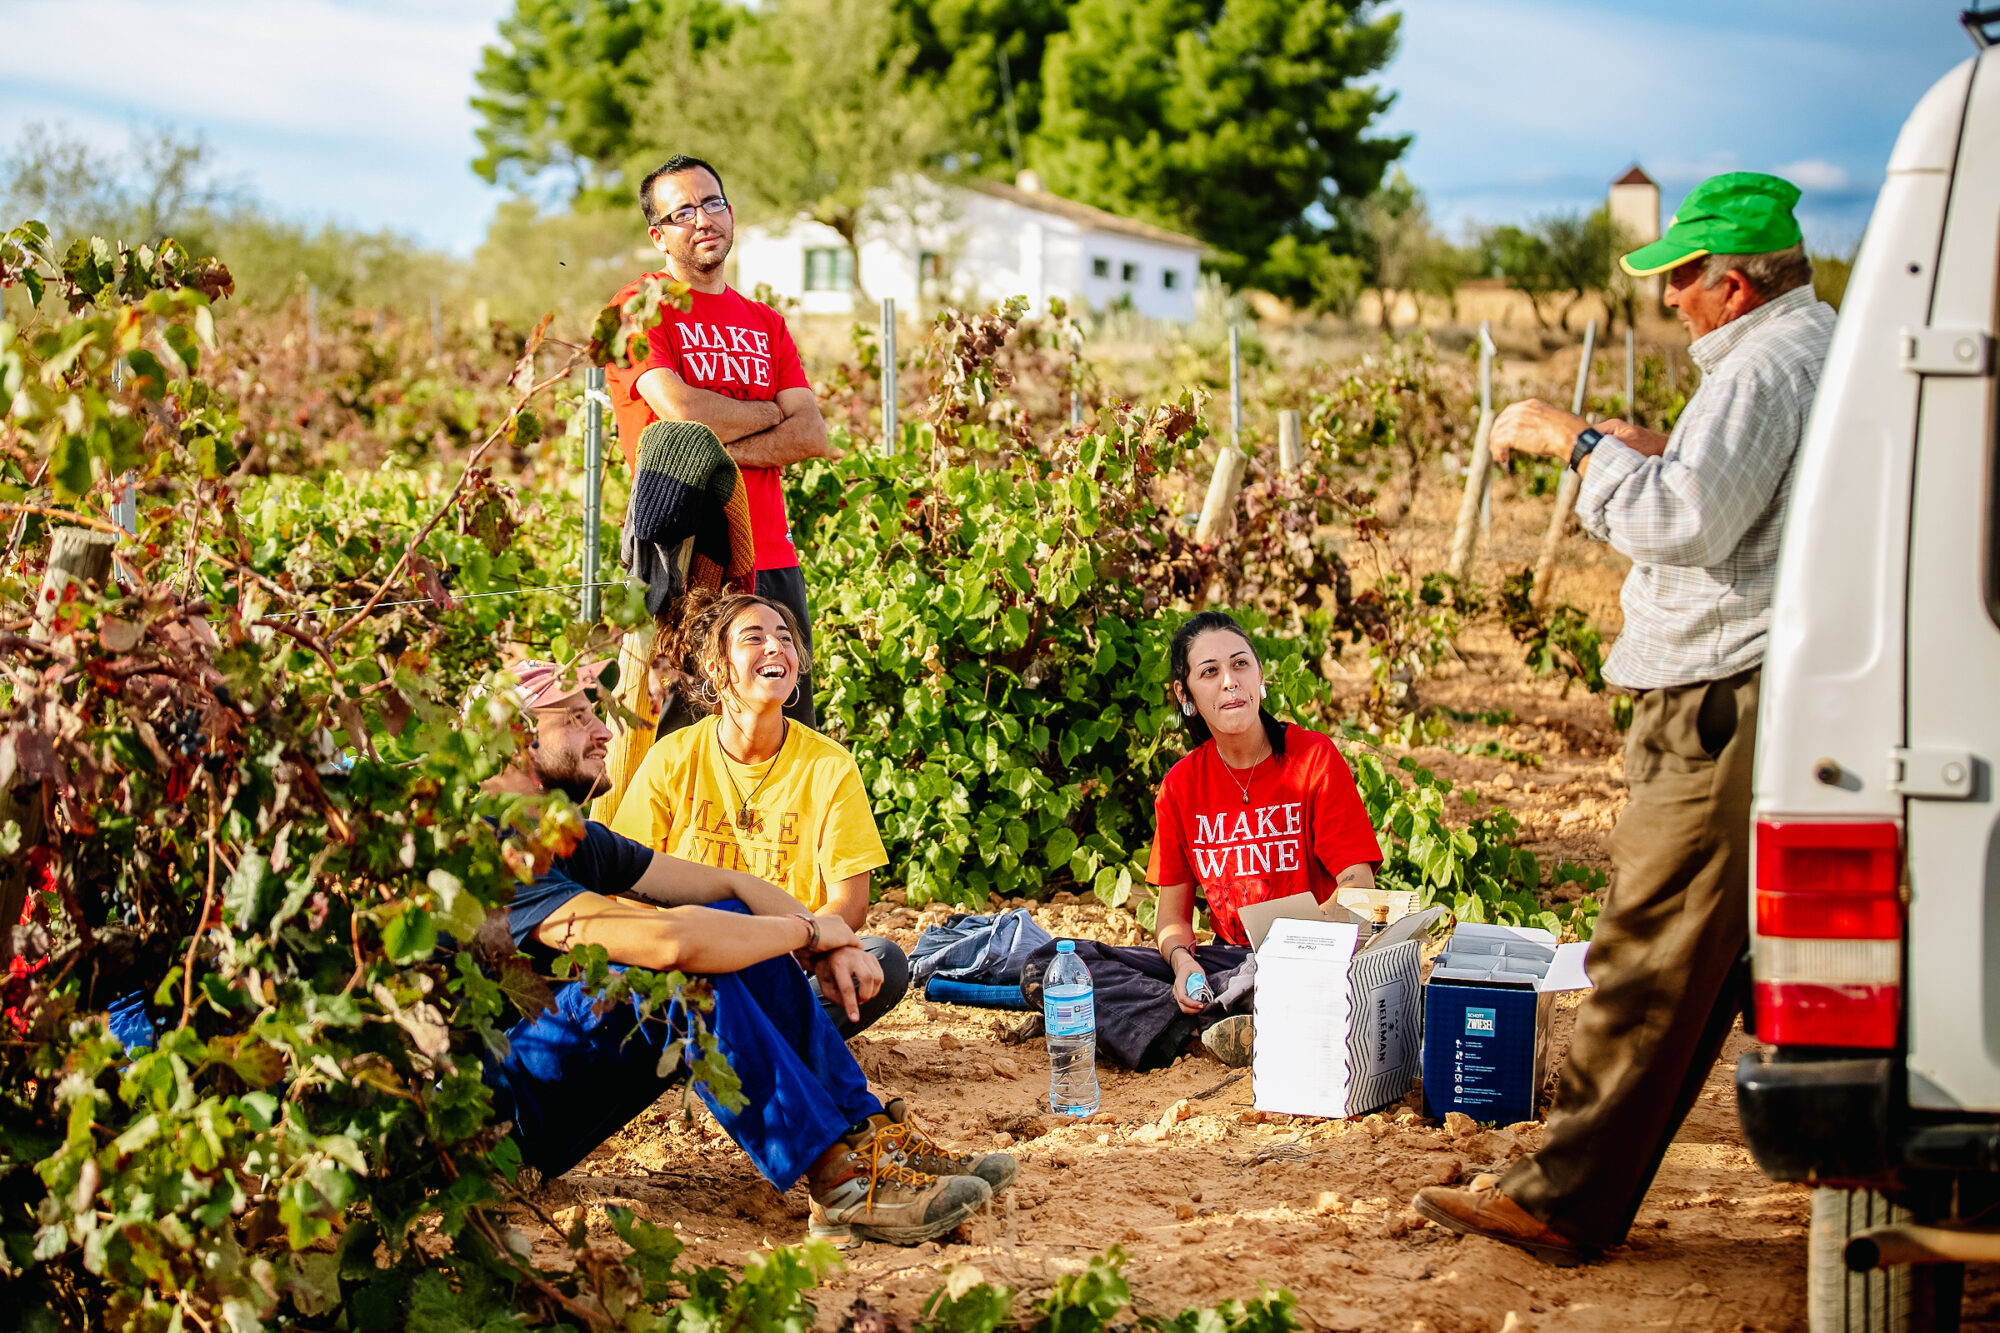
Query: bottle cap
[{"x": 1065, "y": 946}]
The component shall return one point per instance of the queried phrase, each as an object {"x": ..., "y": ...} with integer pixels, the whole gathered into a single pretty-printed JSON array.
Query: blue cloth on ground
[
  {"x": 943, "y": 990},
  {"x": 985, "y": 950}
]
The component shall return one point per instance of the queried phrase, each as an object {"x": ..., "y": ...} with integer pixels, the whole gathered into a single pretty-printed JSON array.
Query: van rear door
[{"x": 1946, "y": 769}]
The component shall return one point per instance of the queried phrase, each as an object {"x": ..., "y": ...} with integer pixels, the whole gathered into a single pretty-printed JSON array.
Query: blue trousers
[{"x": 573, "y": 1077}]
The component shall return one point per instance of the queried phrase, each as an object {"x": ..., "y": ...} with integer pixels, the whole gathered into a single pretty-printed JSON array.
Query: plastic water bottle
[{"x": 1069, "y": 1013}]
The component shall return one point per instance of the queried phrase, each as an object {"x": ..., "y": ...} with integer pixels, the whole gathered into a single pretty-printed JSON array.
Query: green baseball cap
[{"x": 1736, "y": 213}]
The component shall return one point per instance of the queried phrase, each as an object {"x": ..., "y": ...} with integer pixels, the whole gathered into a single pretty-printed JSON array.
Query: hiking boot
[
  {"x": 861, "y": 1191},
  {"x": 1230, "y": 1040},
  {"x": 906, "y": 1140}
]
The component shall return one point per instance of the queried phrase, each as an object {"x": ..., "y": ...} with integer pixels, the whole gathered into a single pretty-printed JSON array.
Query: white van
[{"x": 1875, "y": 894}]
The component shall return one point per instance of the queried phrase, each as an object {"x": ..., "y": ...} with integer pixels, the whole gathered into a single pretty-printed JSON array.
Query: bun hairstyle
[
  {"x": 1178, "y": 667},
  {"x": 699, "y": 643}
]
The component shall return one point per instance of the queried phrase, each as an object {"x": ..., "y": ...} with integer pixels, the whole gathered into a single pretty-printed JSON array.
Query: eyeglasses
[{"x": 712, "y": 205}]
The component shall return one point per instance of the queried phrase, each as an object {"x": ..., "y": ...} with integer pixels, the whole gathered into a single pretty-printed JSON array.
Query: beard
[
  {"x": 579, "y": 789},
  {"x": 693, "y": 257},
  {"x": 565, "y": 772}
]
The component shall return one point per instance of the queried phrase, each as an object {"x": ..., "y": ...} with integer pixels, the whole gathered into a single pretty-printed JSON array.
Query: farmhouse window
[
  {"x": 1129, "y": 272},
  {"x": 1170, "y": 278},
  {"x": 1100, "y": 267},
  {"x": 829, "y": 270}
]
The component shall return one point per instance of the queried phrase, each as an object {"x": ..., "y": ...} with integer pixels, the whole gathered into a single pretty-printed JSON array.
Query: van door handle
[
  {"x": 1937, "y": 774},
  {"x": 1934, "y": 350}
]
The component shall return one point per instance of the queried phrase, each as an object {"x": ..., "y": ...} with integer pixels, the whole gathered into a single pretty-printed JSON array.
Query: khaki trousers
[{"x": 1664, "y": 962}]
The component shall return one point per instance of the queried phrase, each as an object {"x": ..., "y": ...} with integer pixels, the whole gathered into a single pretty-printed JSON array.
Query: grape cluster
[
  {"x": 190, "y": 739},
  {"x": 186, "y": 734}
]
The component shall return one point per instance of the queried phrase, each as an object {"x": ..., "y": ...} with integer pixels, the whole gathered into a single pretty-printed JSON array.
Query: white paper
[
  {"x": 1257, "y": 917},
  {"x": 1300, "y": 1061},
  {"x": 1566, "y": 972},
  {"x": 1474, "y": 932}
]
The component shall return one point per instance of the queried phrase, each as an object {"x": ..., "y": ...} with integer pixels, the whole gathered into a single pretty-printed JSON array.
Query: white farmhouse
[{"x": 925, "y": 243}]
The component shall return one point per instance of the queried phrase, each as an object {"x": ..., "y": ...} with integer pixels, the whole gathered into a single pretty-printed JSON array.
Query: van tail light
[{"x": 1827, "y": 963}]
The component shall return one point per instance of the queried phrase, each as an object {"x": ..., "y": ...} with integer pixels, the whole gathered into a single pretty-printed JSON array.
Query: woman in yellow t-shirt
[{"x": 746, "y": 788}]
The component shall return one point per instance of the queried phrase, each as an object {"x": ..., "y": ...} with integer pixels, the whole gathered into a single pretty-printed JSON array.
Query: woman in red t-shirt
[{"x": 1260, "y": 809}]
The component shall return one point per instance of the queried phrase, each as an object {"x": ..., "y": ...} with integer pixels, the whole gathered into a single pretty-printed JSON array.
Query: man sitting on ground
[{"x": 574, "y": 1076}]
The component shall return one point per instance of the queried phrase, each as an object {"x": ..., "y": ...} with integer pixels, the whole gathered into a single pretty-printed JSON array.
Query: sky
[
  {"x": 357, "y": 110},
  {"x": 1526, "y": 107}
]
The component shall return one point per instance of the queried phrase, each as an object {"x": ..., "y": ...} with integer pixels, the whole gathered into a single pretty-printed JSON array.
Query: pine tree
[
  {"x": 1240, "y": 121},
  {"x": 560, "y": 89},
  {"x": 809, "y": 110}
]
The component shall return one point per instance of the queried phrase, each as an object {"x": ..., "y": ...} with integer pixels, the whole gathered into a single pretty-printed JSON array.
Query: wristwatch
[{"x": 1586, "y": 439}]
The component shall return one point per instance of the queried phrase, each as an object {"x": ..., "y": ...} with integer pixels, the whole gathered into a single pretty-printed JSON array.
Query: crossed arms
[
  {"x": 757, "y": 433},
  {"x": 665, "y": 923}
]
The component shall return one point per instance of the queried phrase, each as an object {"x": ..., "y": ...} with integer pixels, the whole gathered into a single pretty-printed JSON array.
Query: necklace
[
  {"x": 1243, "y": 786},
  {"x": 743, "y": 811}
]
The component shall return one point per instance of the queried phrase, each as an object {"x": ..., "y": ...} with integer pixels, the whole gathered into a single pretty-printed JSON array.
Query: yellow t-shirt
[{"x": 809, "y": 824}]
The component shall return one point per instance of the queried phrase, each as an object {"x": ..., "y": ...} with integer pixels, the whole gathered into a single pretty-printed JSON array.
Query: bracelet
[
  {"x": 812, "y": 924},
  {"x": 1182, "y": 948}
]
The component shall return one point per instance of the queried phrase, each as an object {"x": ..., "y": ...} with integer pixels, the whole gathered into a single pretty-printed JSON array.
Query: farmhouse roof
[
  {"x": 1636, "y": 177},
  {"x": 1084, "y": 215}
]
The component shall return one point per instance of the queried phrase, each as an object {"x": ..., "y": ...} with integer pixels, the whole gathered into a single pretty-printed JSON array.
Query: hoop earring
[
  {"x": 795, "y": 695},
  {"x": 707, "y": 691}
]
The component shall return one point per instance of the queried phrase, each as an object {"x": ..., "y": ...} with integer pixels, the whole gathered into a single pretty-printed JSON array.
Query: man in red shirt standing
[{"x": 730, "y": 364}]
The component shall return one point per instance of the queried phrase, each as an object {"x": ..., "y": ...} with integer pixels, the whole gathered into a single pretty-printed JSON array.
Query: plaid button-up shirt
[{"x": 1702, "y": 521}]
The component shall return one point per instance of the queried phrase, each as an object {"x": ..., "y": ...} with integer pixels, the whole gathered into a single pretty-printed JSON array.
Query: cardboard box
[
  {"x": 1347, "y": 906},
  {"x": 1486, "y": 1020},
  {"x": 1338, "y": 1013}
]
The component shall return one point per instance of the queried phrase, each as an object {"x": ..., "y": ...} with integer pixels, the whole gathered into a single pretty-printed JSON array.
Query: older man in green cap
[{"x": 1699, "y": 512}]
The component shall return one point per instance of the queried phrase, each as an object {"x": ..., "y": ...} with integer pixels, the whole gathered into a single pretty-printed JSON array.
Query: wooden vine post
[
  {"x": 1479, "y": 472},
  {"x": 76, "y": 555},
  {"x": 1545, "y": 565},
  {"x": 1218, "y": 509},
  {"x": 1291, "y": 446}
]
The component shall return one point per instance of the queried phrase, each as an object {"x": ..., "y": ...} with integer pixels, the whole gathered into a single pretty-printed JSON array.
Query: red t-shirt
[
  {"x": 1302, "y": 824},
  {"x": 729, "y": 345}
]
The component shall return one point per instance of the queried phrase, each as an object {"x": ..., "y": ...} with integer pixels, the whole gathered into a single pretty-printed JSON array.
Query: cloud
[
  {"x": 1816, "y": 174},
  {"x": 316, "y": 69},
  {"x": 350, "y": 109},
  {"x": 1534, "y": 106}
]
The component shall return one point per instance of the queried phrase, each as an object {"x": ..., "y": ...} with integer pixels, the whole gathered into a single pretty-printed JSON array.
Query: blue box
[
  {"x": 1486, "y": 1050},
  {"x": 1486, "y": 1020}
]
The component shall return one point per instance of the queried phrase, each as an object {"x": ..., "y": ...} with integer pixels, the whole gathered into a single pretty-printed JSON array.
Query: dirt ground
[
  {"x": 1227, "y": 1198},
  {"x": 1213, "y": 1199}
]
